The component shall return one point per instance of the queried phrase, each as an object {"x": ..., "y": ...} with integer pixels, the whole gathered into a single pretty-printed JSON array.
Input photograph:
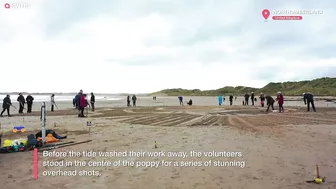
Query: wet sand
[{"x": 280, "y": 150}]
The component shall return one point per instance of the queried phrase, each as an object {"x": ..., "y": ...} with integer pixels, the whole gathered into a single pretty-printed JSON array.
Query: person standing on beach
[
  {"x": 308, "y": 98},
  {"x": 252, "y": 98},
  {"x": 280, "y": 100},
  {"x": 247, "y": 96},
  {"x": 134, "y": 99},
  {"x": 77, "y": 98},
  {"x": 220, "y": 100},
  {"x": 235, "y": 97},
  {"x": 128, "y": 101},
  {"x": 29, "y": 100},
  {"x": 231, "y": 99},
  {"x": 52, "y": 102},
  {"x": 83, "y": 104},
  {"x": 262, "y": 99},
  {"x": 21, "y": 101},
  {"x": 74, "y": 102},
  {"x": 270, "y": 102},
  {"x": 92, "y": 101},
  {"x": 180, "y": 100},
  {"x": 6, "y": 105}
]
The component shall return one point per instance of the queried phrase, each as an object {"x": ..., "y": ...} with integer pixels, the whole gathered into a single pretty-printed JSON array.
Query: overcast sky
[{"x": 144, "y": 46}]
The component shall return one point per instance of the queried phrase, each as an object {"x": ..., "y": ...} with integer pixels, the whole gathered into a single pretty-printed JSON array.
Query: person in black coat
[
  {"x": 308, "y": 99},
  {"x": 252, "y": 98},
  {"x": 6, "y": 105},
  {"x": 21, "y": 101},
  {"x": 92, "y": 101},
  {"x": 270, "y": 102},
  {"x": 247, "y": 96},
  {"x": 29, "y": 100},
  {"x": 231, "y": 99}
]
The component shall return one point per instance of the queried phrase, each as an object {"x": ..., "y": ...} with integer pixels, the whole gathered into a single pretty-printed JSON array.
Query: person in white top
[{"x": 52, "y": 102}]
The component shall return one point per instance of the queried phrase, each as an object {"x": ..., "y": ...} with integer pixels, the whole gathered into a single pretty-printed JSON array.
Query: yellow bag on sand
[
  {"x": 7, "y": 143},
  {"x": 15, "y": 142}
]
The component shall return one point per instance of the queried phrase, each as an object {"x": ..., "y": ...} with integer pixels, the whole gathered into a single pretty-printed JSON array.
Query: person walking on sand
[
  {"x": 6, "y": 105},
  {"x": 180, "y": 100},
  {"x": 128, "y": 101},
  {"x": 270, "y": 102},
  {"x": 308, "y": 98},
  {"x": 231, "y": 99},
  {"x": 29, "y": 100},
  {"x": 134, "y": 99},
  {"x": 220, "y": 100},
  {"x": 235, "y": 98},
  {"x": 21, "y": 101},
  {"x": 262, "y": 99},
  {"x": 252, "y": 98},
  {"x": 247, "y": 96},
  {"x": 280, "y": 100},
  {"x": 52, "y": 102},
  {"x": 92, "y": 101}
]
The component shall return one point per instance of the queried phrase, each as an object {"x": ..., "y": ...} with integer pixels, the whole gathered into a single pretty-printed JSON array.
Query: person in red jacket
[
  {"x": 83, "y": 104},
  {"x": 280, "y": 100}
]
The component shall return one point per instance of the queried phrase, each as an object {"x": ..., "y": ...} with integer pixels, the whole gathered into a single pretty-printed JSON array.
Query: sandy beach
[{"x": 279, "y": 151}]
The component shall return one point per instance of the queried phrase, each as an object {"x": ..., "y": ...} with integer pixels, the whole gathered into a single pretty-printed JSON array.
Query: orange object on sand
[{"x": 50, "y": 139}]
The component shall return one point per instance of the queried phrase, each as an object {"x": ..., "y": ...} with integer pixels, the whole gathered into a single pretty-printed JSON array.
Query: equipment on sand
[
  {"x": 89, "y": 124},
  {"x": 44, "y": 121},
  {"x": 62, "y": 145},
  {"x": 14, "y": 107},
  {"x": 318, "y": 179},
  {"x": 20, "y": 128}
]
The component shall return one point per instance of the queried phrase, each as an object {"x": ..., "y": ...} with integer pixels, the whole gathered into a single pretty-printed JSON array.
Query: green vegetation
[{"x": 319, "y": 87}]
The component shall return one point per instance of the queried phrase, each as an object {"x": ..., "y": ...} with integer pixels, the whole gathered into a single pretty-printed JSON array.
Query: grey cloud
[
  {"x": 151, "y": 60},
  {"x": 323, "y": 52}
]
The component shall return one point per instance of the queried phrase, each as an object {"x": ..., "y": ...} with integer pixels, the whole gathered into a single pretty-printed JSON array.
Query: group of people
[
  {"x": 7, "y": 103},
  {"x": 134, "y": 99},
  {"x": 80, "y": 102},
  {"x": 221, "y": 99},
  {"x": 308, "y": 99},
  {"x": 180, "y": 98}
]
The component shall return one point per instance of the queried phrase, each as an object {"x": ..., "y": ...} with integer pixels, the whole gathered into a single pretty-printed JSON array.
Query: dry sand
[{"x": 280, "y": 150}]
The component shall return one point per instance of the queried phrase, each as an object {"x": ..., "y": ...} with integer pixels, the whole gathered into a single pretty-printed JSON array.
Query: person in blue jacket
[
  {"x": 181, "y": 100},
  {"x": 220, "y": 100}
]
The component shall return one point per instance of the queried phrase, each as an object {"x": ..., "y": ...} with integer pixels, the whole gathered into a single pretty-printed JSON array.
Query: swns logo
[{"x": 16, "y": 6}]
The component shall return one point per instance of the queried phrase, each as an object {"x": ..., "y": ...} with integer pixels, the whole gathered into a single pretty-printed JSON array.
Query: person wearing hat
[
  {"x": 280, "y": 100},
  {"x": 308, "y": 99},
  {"x": 21, "y": 101}
]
